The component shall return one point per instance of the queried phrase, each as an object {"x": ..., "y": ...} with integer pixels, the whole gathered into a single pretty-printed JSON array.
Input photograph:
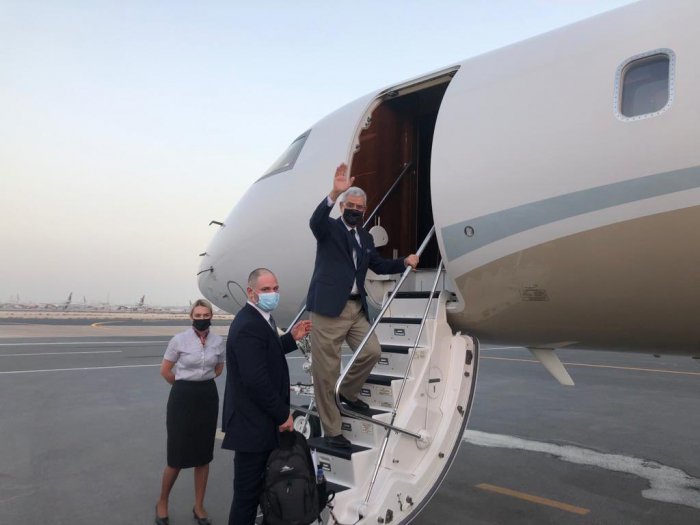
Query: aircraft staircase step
[
  {"x": 381, "y": 379},
  {"x": 362, "y": 432},
  {"x": 416, "y": 295},
  {"x": 319, "y": 443},
  {"x": 345, "y": 466},
  {"x": 401, "y": 320},
  {"x": 400, "y": 332},
  {"x": 411, "y": 305},
  {"x": 335, "y": 487},
  {"x": 370, "y": 412},
  {"x": 378, "y": 391},
  {"x": 396, "y": 362},
  {"x": 396, "y": 349},
  {"x": 395, "y": 359}
]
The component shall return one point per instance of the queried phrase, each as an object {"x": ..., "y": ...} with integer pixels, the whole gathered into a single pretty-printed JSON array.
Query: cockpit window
[{"x": 288, "y": 158}]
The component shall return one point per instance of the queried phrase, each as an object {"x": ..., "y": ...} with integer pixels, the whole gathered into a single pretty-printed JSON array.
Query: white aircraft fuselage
[{"x": 564, "y": 218}]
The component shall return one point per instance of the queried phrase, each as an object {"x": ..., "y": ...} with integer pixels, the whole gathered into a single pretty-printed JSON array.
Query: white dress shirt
[
  {"x": 265, "y": 314},
  {"x": 354, "y": 290},
  {"x": 195, "y": 362}
]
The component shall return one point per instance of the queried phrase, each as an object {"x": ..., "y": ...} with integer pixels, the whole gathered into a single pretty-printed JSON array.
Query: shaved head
[{"x": 255, "y": 275}]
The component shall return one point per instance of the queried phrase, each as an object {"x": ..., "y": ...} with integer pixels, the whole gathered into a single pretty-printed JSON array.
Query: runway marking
[
  {"x": 304, "y": 357},
  {"x": 99, "y": 325},
  {"x": 533, "y": 499},
  {"x": 666, "y": 484},
  {"x": 502, "y": 347},
  {"x": 69, "y": 369},
  {"x": 144, "y": 343},
  {"x": 65, "y": 353},
  {"x": 601, "y": 366}
]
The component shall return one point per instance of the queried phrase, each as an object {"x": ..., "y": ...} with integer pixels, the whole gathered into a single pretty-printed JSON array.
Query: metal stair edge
[
  {"x": 382, "y": 379},
  {"x": 320, "y": 445},
  {"x": 401, "y": 320}
]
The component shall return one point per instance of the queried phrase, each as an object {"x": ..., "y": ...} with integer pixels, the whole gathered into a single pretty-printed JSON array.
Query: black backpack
[{"x": 290, "y": 495}]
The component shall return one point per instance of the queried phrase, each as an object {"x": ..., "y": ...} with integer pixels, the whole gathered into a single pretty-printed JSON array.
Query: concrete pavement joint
[
  {"x": 64, "y": 353},
  {"x": 70, "y": 369}
]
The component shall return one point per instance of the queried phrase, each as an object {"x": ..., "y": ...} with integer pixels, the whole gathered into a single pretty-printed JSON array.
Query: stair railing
[
  {"x": 395, "y": 409},
  {"x": 357, "y": 415},
  {"x": 405, "y": 170}
]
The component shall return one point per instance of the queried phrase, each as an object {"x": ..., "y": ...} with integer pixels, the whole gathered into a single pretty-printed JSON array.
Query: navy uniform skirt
[{"x": 193, "y": 410}]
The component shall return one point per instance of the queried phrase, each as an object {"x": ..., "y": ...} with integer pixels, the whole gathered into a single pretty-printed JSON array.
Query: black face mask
[
  {"x": 352, "y": 217},
  {"x": 201, "y": 324}
]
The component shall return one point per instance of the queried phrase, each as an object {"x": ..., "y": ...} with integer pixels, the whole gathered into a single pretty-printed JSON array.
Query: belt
[{"x": 354, "y": 297}]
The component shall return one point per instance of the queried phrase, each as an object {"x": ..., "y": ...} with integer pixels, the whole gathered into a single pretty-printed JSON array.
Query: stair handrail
[
  {"x": 362, "y": 344},
  {"x": 395, "y": 408},
  {"x": 406, "y": 167},
  {"x": 369, "y": 219}
]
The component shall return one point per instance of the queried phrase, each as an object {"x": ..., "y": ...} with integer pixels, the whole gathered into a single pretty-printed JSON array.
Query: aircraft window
[
  {"x": 644, "y": 85},
  {"x": 288, "y": 158}
]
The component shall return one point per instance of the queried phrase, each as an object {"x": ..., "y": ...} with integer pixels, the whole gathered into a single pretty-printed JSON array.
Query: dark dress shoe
[
  {"x": 200, "y": 521},
  {"x": 339, "y": 441},
  {"x": 161, "y": 521},
  {"x": 358, "y": 404}
]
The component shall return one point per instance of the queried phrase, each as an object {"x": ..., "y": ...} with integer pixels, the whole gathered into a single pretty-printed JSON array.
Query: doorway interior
[{"x": 400, "y": 131}]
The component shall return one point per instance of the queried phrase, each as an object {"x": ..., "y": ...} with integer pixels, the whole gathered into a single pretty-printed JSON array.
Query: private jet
[{"x": 552, "y": 190}]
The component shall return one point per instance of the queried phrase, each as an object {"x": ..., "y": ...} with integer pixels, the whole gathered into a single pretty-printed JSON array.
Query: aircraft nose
[{"x": 218, "y": 276}]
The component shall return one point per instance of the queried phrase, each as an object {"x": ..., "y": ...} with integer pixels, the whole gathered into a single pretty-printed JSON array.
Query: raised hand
[
  {"x": 301, "y": 329},
  {"x": 340, "y": 181}
]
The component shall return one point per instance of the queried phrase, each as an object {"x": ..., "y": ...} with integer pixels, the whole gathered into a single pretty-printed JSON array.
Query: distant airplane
[
  {"x": 58, "y": 306},
  {"x": 17, "y": 304},
  {"x": 138, "y": 307}
]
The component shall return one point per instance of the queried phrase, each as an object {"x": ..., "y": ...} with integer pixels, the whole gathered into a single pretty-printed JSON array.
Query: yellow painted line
[
  {"x": 534, "y": 499},
  {"x": 99, "y": 325},
  {"x": 601, "y": 366}
]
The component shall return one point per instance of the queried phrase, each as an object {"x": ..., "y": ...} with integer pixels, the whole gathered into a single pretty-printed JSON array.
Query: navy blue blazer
[
  {"x": 334, "y": 271},
  {"x": 256, "y": 400}
]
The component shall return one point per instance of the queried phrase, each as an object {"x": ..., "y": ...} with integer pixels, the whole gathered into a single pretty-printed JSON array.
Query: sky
[{"x": 127, "y": 126}]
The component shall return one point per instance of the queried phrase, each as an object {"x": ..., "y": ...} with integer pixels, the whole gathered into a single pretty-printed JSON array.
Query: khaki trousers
[{"x": 327, "y": 337}]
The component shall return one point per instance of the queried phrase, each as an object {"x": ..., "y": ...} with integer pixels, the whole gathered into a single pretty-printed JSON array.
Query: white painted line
[
  {"x": 87, "y": 343},
  {"x": 65, "y": 353},
  {"x": 667, "y": 484},
  {"x": 86, "y": 368},
  {"x": 302, "y": 357}
]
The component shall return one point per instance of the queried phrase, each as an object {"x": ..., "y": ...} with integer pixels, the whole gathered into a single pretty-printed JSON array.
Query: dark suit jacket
[
  {"x": 334, "y": 271},
  {"x": 256, "y": 400}
]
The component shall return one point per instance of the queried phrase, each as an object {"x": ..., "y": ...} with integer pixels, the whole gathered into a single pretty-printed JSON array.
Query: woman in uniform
[{"x": 193, "y": 406}]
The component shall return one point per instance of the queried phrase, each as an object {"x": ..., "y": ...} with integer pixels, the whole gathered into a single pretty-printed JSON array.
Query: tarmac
[{"x": 82, "y": 439}]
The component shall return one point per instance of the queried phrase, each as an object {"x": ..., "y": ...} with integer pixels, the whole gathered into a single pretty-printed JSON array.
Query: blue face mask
[{"x": 268, "y": 301}]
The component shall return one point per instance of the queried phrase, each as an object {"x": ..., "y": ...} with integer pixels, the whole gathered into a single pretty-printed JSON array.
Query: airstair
[{"x": 420, "y": 395}]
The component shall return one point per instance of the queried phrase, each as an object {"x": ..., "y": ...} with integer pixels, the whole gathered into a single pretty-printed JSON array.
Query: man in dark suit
[
  {"x": 256, "y": 401},
  {"x": 337, "y": 300}
]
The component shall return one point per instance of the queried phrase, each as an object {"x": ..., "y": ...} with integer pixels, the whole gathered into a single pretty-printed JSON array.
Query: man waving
[{"x": 337, "y": 300}]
